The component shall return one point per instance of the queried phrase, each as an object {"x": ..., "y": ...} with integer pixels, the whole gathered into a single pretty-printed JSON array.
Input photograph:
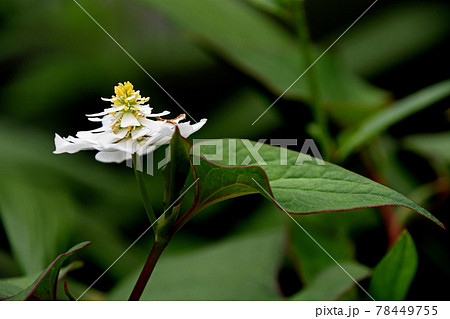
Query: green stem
[
  {"x": 319, "y": 113},
  {"x": 152, "y": 259},
  {"x": 143, "y": 190}
]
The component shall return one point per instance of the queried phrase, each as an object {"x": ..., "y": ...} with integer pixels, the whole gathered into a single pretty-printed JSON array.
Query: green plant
[{"x": 367, "y": 101}]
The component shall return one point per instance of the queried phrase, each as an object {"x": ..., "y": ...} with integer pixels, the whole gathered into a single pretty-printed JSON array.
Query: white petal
[
  {"x": 65, "y": 146},
  {"x": 163, "y": 136},
  {"x": 97, "y": 130},
  {"x": 163, "y": 140},
  {"x": 98, "y": 114},
  {"x": 112, "y": 157},
  {"x": 129, "y": 119},
  {"x": 108, "y": 138},
  {"x": 121, "y": 133},
  {"x": 127, "y": 146},
  {"x": 146, "y": 150},
  {"x": 152, "y": 139},
  {"x": 186, "y": 129},
  {"x": 199, "y": 125},
  {"x": 99, "y": 139},
  {"x": 167, "y": 129},
  {"x": 88, "y": 136},
  {"x": 137, "y": 133},
  {"x": 109, "y": 120},
  {"x": 159, "y": 114},
  {"x": 145, "y": 109},
  {"x": 95, "y": 119},
  {"x": 110, "y": 100},
  {"x": 154, "y": 126},
  {"x": 107, "y": 111},
  {"x": 115, "y": 108}
]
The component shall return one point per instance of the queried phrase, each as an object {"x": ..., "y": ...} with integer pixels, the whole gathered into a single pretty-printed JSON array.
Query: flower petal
[
  {"x": 98, "y": 139},
  {"x": 97, "y": 130},
  {"x": 113, "y": 139},
  {"x": 145, "y": 109},
  {"x": 109, "y": 100},
  {"x": 121, "y": 133},
  {"x": 104, "y": 112},
  {"x": 95, "y": 119},
  {"x": 154, "y": 126},
  {"x": 112, "y": 157},
  {"x": 126, "y": 145},
  {"x": 75, "y": 145},
  {"x": 146, "y": 150},
  {"x": 187, "y": 129},
  {"x": 129, "y": 119},
  {"x": 163, "y": 136},
  {"x": 137, "y": 133},
  {"x": 159, "y": 114},
  {"x": 107, "y": 111}
]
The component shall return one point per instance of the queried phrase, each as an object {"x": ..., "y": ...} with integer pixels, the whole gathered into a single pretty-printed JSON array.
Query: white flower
[{"x": 127, "y": 128}]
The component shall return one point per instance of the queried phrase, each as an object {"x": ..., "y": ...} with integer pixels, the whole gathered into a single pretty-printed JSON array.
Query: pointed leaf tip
[{"x": 297, "y": 183}]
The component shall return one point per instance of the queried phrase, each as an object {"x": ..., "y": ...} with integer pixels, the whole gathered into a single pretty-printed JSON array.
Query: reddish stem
[
  {"x": 391, "y": 224},
  {"x": 152, "y": 259},
  {"x": 393, "y": 229}
]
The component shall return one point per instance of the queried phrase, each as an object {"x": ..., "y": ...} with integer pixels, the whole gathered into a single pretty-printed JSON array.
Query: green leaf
[
  {"x": 265, "y": 50},
  {"x": 241, "y": 268},
  {"x": 298, "y": 183},
  {"x": 12, "y": 286},
  {"x": 216, "y": 183},
  {"x": 395, "y": 272},
  {"x": 37, "y": 220},
  {"x": 110, "y": 242},
  {"x": 177, "y": 170},
  {"x": 384, "y": 150},
  {"x": 70, "y": 267},
  {"x": 402, "y": 31},
  {"x": 8, "y": 266},
  {"x": 435, "y": 146},
  {"x": 44, "y": 287},
  {"x": 69, "y": 295},
  {"x": 270, "y": 6},
  {"x": 330, "y": 232},
  {"x": 351, "y": 140},
  {"x": 137, "y": 167},
  {"x": 333, "y": 282}
]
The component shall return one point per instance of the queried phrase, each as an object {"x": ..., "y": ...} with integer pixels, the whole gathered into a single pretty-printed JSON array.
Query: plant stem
[
  {"x": 155, "y": 253},
  {"x": 319, "y": 114},
  {"x": 143, "y": 190},
  {"x": 391, "y": 223}
]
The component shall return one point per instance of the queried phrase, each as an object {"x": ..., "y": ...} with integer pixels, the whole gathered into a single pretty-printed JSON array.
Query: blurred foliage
[
  {"x": 240, "y": 268},
  {"x": 226, "y": 61},
  {"x": 395, "y": 272}
]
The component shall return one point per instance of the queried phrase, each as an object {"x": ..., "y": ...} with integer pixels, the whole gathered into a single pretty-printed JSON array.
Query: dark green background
[{"x": 56, "y": 64}]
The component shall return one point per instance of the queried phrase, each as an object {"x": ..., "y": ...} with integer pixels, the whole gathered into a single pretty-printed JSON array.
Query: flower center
[{"x": 127, "y": 96}]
